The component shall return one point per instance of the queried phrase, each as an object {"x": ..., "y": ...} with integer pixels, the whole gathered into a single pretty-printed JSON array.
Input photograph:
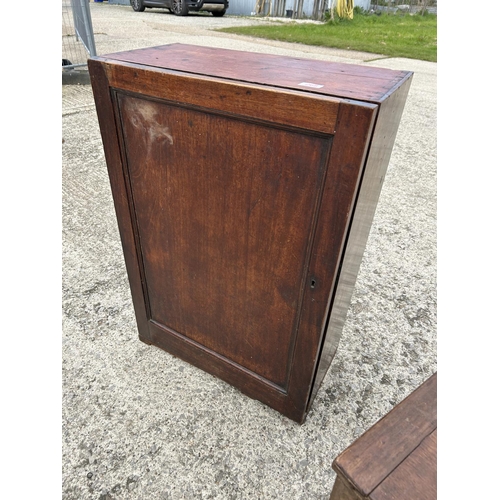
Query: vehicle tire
[
  {"x": 137, "y": 5},
  {"x": 180, "y": 7},
  {"x": 218, "y": 13}
]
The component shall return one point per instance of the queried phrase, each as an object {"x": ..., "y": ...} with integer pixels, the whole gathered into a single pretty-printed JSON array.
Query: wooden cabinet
[
  {"x": 244, "y": 187},
  {"x": 397, "y": 457}
]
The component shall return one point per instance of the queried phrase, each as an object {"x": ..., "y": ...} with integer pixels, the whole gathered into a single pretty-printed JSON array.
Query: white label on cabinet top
[{"x": 312, "y": 85}]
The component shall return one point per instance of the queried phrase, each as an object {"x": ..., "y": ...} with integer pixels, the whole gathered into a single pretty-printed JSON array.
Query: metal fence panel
[
  {"x": 83, "y": 24},
  {"x": 77, "y": 33}
]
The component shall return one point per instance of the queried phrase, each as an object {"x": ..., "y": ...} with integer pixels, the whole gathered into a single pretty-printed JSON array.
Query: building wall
[
  {"x": 242, "y": 7},
  {"x": 246, "y": 7},
  {"x": 364, "y": 4}
]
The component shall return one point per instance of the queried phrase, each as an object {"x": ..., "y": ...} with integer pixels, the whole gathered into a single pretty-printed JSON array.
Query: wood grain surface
[
  {"x": 349, "y": 81},
  {"x": 397, "y": 457}
]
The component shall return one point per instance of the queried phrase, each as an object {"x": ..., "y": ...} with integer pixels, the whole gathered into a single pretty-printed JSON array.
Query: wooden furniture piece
[
  {"x": 397, "y": 457},
  {"x": 244, "y": 186}
]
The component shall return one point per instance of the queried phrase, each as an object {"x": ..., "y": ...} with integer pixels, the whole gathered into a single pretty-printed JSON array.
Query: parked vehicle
[{"x": 183, "y": 7}]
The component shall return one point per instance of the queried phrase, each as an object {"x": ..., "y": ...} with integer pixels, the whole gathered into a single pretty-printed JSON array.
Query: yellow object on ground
[{"x": 345, "y": 8}]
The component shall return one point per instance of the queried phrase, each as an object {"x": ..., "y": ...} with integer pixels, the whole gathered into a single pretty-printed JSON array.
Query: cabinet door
[
  {"x": 224, "y": 211},
  {"x": 234, "y": 226}
]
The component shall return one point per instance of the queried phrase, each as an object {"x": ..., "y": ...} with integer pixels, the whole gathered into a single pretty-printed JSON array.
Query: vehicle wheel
[
  {"x": 218, "y": 13},
  {"x": 180, "y": 7},
  {"x": 137, "y": 5}
]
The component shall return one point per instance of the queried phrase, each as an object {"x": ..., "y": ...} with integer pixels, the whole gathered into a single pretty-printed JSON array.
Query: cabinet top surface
[
  {"x": 376, "y": 454},
  {"x": 348, "y": 81}
]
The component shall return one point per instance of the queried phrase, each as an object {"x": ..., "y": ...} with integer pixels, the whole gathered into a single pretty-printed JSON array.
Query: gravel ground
[{"x": 141, "y": 424}]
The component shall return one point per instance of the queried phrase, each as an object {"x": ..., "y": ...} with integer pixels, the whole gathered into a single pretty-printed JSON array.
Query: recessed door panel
[{"x": 224, "y": 211}]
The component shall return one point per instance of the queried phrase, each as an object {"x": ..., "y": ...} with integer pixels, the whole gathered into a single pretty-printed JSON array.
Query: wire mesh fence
[{"x": 77, "y": 34}]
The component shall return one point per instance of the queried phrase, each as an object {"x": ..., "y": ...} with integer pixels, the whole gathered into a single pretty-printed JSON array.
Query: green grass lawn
[{"x": 412, "y": 36}]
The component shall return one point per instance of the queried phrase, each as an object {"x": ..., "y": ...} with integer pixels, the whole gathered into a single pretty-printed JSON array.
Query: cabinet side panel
[
  {"x": 353, "y": 130},
  {"x": 382, "y": 142},
  {"x": 105, "y": 108}
]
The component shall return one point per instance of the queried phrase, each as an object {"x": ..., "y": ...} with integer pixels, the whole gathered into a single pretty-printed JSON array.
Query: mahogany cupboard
[{"x": 244, "y": 186}]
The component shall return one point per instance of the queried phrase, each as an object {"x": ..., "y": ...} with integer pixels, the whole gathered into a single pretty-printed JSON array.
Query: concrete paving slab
[{"x": 141, "y": 424}]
